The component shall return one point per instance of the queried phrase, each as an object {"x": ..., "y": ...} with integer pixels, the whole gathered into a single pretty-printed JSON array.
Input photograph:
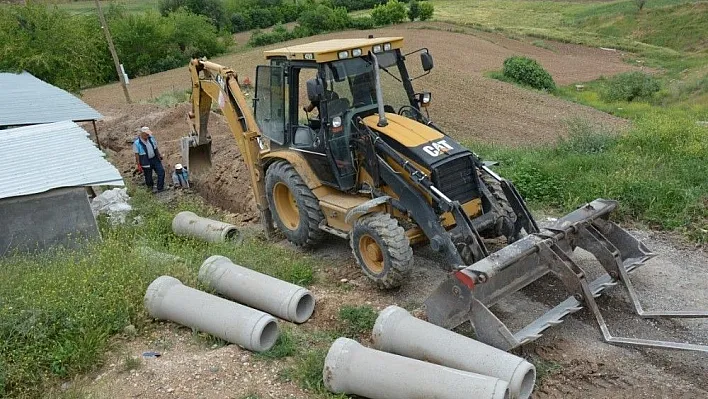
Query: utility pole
[{"x": 104, "y": 25}]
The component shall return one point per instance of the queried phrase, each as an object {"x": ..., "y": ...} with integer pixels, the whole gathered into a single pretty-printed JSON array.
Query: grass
[
  {"x": 171, "y": 98},
  {"x": 357, "y": 320},
  {"x": 59, "y": 309},
  {"x": 662, "y": 31},
  {"x": 656, "y": 171},
  {"x": 131, "y": 363},
  {"x": 88, "y": 6}
]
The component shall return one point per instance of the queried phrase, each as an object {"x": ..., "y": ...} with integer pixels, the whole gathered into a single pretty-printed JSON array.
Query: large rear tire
[
  {"x": 296, "y": 211},
  {"x": 382, "y": 249}
]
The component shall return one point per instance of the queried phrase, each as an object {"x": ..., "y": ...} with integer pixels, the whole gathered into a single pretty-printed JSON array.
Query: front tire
[
  {"x": 382, "y": 249},
  {"x": 296, "y": 211}
]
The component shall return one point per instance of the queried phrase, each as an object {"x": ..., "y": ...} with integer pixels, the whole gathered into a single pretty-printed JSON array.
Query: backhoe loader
[{"x": 371, "y": 167}]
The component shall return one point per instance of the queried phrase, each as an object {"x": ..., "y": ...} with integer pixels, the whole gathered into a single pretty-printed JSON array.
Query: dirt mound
[{"x": 226, "y": 186}]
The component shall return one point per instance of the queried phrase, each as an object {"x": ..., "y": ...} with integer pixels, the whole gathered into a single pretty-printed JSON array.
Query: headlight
[
  {"x": 343, "y": 54},
  {"x": 426, "y": 98},
  {"x": 356, "y": 52},
  {"x": 387, "y": 46},
  {"x": 337, "y": 122},
  {"x": 376, "y": 48}
]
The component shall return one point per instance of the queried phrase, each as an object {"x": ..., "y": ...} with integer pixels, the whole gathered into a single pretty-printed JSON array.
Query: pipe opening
[
  {"x": 269, "y": 335},
  {"x": 231, "y": 234},
  {"x": 305, "y": 307},
  {"x": 527, "y": 384}
]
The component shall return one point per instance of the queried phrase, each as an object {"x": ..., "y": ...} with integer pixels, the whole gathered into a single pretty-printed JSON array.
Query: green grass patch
[
  {"x": 171, "y": 98},
  {"x": 285, "y": 346},
  {"x": 357, "y": 320},
  {"x": 656, "y": 171},
  {"x": 59, "y": 309}
]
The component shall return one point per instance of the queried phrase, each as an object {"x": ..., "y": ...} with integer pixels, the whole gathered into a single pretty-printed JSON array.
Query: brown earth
[
  {"x": 579, "y": 364},
  {"x": 465, "y": 103}
]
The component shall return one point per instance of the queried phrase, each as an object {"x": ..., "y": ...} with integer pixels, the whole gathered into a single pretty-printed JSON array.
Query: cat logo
[{"x": 437, "y": 148}]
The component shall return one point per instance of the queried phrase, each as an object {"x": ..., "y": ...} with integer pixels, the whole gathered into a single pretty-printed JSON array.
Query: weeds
[
  {"x": 357, "y": 320},
  {"x": 172, "y": 98},
  {"x": 545, "y": 369},
  {"x": 285, "y": 346},
  {"x": 131, "y": 363},
  {"x": 59, "y": 309}
]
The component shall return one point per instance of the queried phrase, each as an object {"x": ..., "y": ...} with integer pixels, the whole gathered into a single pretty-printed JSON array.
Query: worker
[
  {"x": 180, "y": 176},
  {"x": 149, "y": 159}
]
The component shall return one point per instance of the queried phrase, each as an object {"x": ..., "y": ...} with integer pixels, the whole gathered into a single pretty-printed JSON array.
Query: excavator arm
[{"x": 215, "y": 84}]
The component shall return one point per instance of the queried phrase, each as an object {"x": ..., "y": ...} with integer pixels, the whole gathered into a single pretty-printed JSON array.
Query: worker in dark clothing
[{"x": 149, "y": 159}]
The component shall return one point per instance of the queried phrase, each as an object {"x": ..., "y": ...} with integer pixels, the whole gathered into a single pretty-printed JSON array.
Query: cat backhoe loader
[{"x": 366, "y": 163}]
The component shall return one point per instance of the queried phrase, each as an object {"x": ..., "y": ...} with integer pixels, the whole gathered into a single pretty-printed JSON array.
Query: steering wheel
[{"x": 407, "y": 111}]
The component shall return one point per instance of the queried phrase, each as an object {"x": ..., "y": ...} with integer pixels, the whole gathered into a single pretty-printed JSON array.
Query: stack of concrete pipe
[
  {"x": 413, "y": 358},
  {"x": 239, "y": 323}
]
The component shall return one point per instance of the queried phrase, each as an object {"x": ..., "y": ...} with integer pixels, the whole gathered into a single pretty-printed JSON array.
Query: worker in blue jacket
[{"x": 149, "y": 159}]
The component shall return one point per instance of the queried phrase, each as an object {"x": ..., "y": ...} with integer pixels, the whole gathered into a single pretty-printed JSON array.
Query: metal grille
[{"x": 455, "y": 178}]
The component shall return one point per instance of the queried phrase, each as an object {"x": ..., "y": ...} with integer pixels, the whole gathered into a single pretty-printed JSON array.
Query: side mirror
[
  {"x": 427, "y": 60},
  {"x": 315, "y": 89}
]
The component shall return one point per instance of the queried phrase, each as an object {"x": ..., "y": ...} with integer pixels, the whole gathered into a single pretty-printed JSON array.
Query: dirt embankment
[{"x": 226, "y": 186}]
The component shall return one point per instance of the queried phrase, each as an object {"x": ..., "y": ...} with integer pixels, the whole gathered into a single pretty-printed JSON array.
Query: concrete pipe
[
  {"x": 353, "y": 369},
  {"x": 168, "y": 299},
  {"x": 189, "y": 224},
  {"x": 396, "y": 331},
  {"x": 277, "y": 297}
]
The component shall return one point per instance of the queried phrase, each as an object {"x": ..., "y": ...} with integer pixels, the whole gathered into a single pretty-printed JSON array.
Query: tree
[
  {"x": 413, "y": 10},
  {"x": 426, "y": 11},
  {"x": 393, "y": 12}
]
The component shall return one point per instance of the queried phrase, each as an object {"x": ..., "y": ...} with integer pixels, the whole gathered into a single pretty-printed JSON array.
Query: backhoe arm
[{"x": 212, "y": 82}]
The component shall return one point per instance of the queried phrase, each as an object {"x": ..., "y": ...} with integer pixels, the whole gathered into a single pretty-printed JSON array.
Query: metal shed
[{"x": 44, "y": 170}]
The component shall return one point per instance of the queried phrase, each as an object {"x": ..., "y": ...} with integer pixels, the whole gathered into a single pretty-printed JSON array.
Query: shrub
[
  {"x": 526, "y": 71},
  {"x": 212, "y": 9},
  {"x": 413, "y": 10},
  {"x": 240, "y": 22},
  {"x": 149, "y": 43},
  {"x": 65, "y": 50},
  {"x": 630, "y": 86},
  {"x": 393, "y": 12},
  {"x": 426, "y": 10},
  {"x": 323, "y": 19},
  {"x": 261, "y": 18},
  {"x": 278, "y": 34},
  {"x": 352, "y": 5},
  {"x": 362, "y": 23}
]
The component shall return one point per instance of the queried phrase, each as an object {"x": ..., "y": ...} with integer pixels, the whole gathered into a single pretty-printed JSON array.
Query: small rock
[
  {"x": 344, "y": 280},
  {"x": 170, "y": 390},
  {"x": 65, "y": 386}
]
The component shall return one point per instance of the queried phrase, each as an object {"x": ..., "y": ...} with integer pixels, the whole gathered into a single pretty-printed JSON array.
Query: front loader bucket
[
  {"x": 469, "y": 292},
  {"x": 197, "y": 157}
]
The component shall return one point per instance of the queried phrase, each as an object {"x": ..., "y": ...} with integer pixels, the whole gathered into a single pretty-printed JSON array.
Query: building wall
[{"x": 59, "y": 217}]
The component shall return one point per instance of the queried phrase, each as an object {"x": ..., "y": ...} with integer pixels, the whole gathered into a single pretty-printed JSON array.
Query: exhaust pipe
[
  {"x": 189, "y": 224},
  {"x": 398, "y": 332},
  {"x": 277, "y": 297},
  {"x": 379, "y": 94},
  {"x": 168, "y": 299},
  {"x": 355, "y": 370}
]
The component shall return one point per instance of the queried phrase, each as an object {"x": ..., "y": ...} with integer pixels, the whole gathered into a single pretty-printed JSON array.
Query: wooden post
[{"x": 104, "y": 25}]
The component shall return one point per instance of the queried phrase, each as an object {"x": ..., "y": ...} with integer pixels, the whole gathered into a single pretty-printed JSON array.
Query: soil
[{"x": 574, "y": 359}]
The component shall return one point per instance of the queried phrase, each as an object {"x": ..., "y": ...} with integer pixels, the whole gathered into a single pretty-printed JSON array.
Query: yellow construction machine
[{"x": 338, "y": 141}]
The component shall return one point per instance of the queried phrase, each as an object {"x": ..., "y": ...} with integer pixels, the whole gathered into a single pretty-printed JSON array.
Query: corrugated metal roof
[
  {"x": 26, "y": 100},
  {"x": 38, "y": 158}
]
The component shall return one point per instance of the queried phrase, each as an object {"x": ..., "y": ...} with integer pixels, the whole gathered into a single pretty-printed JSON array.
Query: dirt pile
[{"x": 226, "y": 186}]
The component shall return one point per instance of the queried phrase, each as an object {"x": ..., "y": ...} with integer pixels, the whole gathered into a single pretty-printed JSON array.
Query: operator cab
[{"x": 311, "y": 95}]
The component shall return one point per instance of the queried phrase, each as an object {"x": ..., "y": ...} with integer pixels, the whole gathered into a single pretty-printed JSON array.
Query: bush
[
  {"x": 630, "y": 86},
  {"x": 413, "y": 10},
  {"x": 528, "y": 72},
  {"x": 65, "y": 50},
  {"x": 426, "y": 10},
  {"x": 362, "y": 23},
  {"x": 393, "y": 12},
  {"x": 261, "y": 18},
  {"x": 212, "y": 9},
  {"x": 323, "y": 19},
  {"x": 352, "y": 5},
  {"x": 278, "y": 34},
  {"x": 149, "y": 43},
  {"x": 240, "y": 22}
]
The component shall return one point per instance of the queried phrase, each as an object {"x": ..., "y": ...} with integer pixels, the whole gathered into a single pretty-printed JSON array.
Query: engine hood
[{"x": 422, "y": 144}]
